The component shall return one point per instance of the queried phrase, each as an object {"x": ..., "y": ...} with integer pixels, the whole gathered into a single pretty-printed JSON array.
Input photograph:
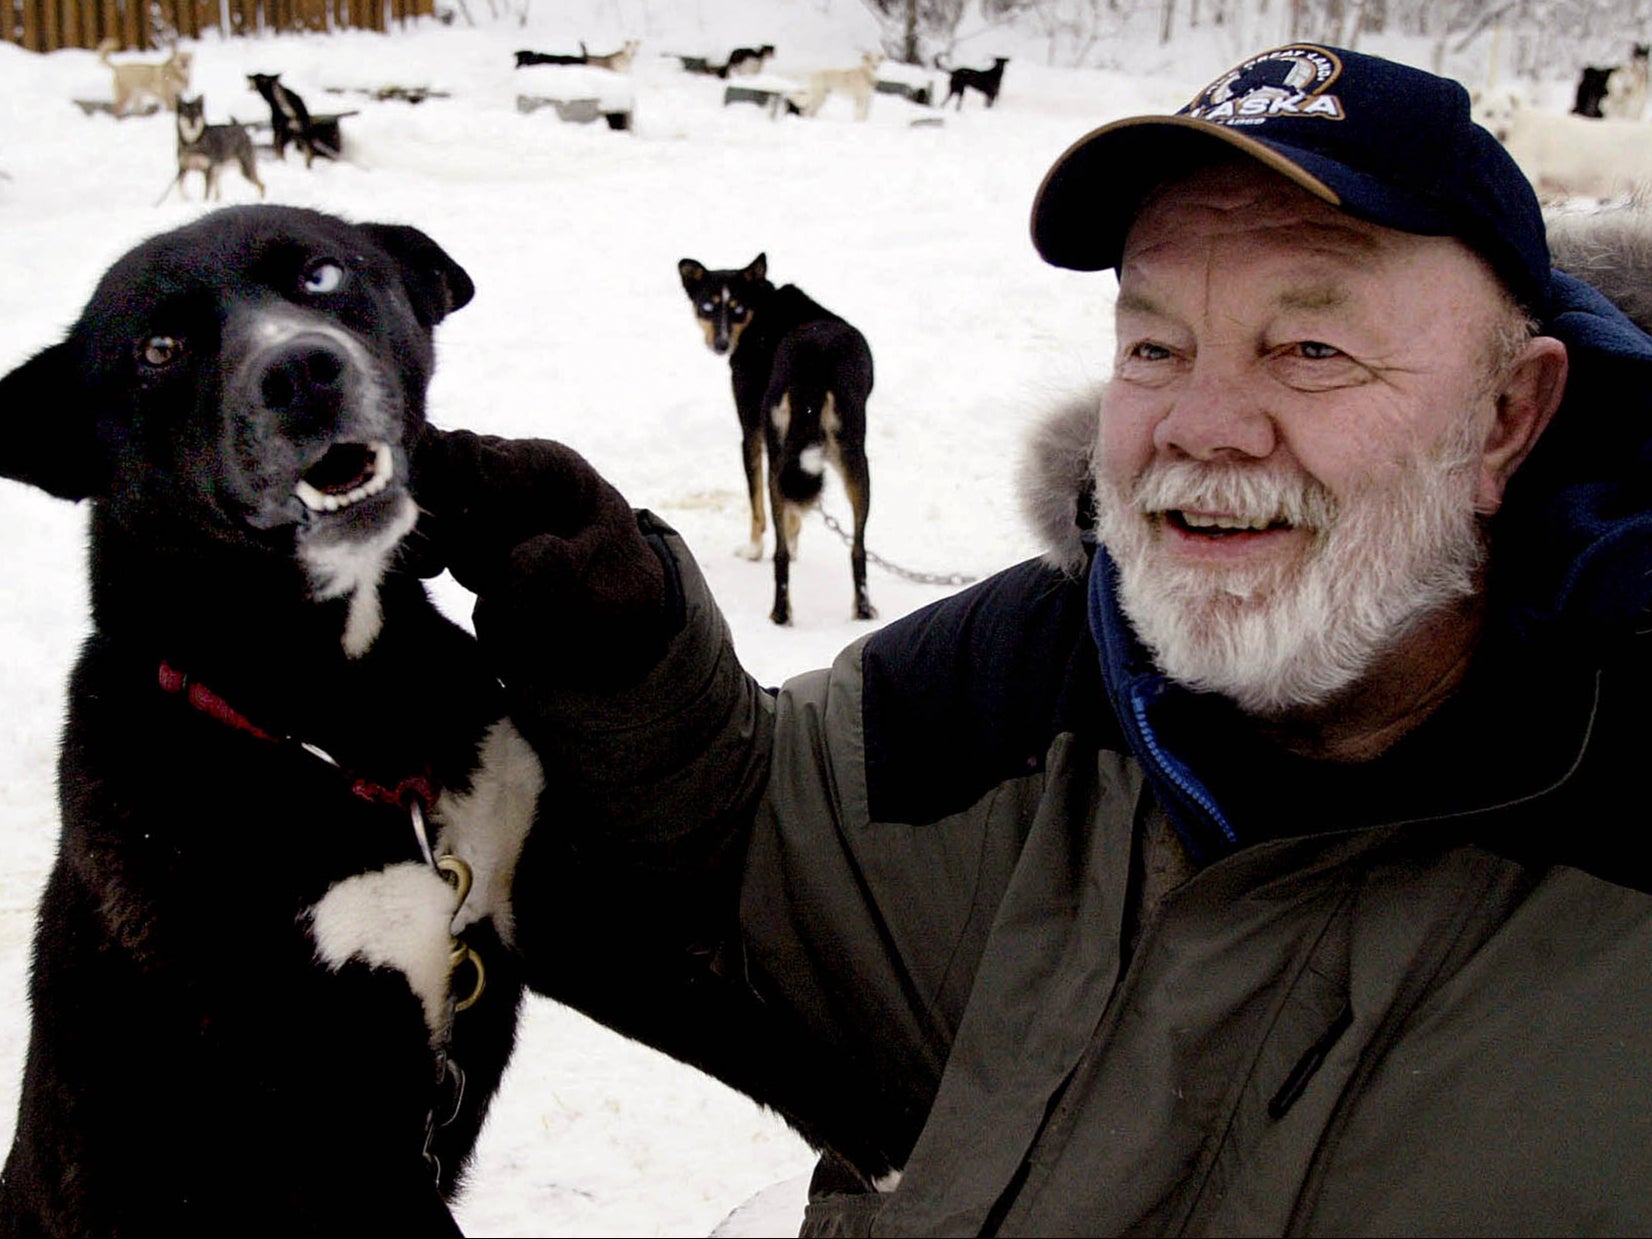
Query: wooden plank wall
[{"x": 141, "y": 25}]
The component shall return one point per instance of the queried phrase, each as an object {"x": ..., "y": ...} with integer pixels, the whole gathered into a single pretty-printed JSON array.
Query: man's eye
[
  {"x": 1313, "y": 365},
  {"x": 1146, "y": 350}
]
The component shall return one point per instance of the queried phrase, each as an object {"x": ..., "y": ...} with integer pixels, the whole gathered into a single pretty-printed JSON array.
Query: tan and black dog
[
  {"x": 208, "y": 149},
  {"x": 802, "y": 376}
]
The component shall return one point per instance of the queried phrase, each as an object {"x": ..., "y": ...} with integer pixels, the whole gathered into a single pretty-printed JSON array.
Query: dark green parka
[{"x": 991, "y": 904}]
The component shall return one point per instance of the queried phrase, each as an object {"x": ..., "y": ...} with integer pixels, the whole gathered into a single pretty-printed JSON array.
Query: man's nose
[{"x": 1216, "y": 415}]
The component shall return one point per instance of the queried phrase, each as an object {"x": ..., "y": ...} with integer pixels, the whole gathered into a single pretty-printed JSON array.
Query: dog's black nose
[{"x": 303, "y": 383}]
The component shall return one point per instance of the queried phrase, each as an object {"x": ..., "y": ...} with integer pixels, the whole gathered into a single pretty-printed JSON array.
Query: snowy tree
[{"x": 1525, "y": 38}]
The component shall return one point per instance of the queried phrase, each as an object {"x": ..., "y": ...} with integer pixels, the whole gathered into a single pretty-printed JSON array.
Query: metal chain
[{"x": 922, "y": 578}]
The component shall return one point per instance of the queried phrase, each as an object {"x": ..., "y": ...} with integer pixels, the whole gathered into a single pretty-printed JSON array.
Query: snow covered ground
[{"x": 914, "y": 230}]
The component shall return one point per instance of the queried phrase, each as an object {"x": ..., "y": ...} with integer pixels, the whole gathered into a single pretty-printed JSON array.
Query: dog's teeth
[
  {"x": 309, "y": 496},
  {"x": 317, "y": 500},
  {"x": 384, "y": 468}
]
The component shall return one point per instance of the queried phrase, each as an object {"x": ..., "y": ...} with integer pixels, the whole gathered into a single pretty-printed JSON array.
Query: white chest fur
[{"x": 404, "y": 916}]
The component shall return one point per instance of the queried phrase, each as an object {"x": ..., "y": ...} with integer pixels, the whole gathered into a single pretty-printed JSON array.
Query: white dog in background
[
  {"x": 859, "y": 83},
  {"x": 1569, "y": 156},
  {"x": 1626, "y": 88}
]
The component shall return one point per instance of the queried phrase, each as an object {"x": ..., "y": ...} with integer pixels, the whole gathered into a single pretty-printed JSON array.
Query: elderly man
[{"x": 1262, "y": 860}]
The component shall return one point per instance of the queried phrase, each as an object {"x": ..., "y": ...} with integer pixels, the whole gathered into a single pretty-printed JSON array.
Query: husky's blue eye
[
  {"x": 708, "y": 307},
  {"x": 323, "y": 277}
]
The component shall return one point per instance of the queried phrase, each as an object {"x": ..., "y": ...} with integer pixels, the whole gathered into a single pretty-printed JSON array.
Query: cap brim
[{"x": 1092, "y": 193}]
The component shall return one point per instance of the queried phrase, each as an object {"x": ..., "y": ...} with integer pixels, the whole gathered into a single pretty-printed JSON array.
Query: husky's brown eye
[{"x": 160, "y": 351}]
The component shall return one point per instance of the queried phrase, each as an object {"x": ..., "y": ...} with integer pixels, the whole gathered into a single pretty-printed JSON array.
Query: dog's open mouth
[{"x": 347, "y": 474}]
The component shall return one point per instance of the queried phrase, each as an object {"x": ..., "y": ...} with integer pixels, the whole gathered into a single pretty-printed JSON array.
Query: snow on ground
[{"x": 914, "y": 230}]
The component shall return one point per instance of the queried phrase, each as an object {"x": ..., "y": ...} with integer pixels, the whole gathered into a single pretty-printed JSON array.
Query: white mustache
[{"x": 1252, "y": 493}]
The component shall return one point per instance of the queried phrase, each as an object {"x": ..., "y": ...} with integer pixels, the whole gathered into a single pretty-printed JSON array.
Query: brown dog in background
[
  {"x": 619, "y": 61},
  {"x": 135, "y": 80}
]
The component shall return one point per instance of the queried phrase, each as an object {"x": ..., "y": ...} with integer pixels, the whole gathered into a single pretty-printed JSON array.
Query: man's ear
[
  {"x": 47, "y": 432},
  {"x": 1531, "y": 392},
  {"x": 437, "y": 284}
]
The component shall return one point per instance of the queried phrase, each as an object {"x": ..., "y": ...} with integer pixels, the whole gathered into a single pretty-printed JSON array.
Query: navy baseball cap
[{"x": 1382, "y": 141}]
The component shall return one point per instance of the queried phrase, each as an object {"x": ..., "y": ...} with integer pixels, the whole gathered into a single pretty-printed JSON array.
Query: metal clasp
[
  {"x": 458, "y": 874},
  {"x": 421, "y": 832}
]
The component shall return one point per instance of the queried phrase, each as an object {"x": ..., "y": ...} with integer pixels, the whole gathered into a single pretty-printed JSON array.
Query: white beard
[{"x": 1285, "y": 636}]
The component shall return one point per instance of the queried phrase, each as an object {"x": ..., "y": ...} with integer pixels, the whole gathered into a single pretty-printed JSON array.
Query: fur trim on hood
[
  {"x": 1056, "y": 486},
  {"x": 1610, "y": 250}
]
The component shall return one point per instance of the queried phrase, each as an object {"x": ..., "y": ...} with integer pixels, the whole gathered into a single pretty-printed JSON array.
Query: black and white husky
[
  {"x": 272, "y": 989},
  {"x": 290, "y": 122}
]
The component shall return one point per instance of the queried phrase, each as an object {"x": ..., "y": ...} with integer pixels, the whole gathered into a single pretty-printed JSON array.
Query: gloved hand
[{"x": 570, "y": 591}]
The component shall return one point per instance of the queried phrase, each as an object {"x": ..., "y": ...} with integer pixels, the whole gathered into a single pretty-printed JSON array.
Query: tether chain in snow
[{"x": 922, "y": 578}]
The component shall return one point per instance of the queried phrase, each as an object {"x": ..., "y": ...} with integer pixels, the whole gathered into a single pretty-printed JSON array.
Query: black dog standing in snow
[
  {"x": 290, "y": 800},
  {"x": 988, "y": 81},
  {"x": 801, "y": 379},
  {"x": 289, "y": 119}
]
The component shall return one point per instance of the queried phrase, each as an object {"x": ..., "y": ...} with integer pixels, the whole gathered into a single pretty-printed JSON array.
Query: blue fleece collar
[{"x": 1139, "y": 693}]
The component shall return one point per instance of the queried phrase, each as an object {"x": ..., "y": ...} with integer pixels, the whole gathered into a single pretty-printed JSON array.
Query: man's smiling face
[{"x": 1298, "y": 435}]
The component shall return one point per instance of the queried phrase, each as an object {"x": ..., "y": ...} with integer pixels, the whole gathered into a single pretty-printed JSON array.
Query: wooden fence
[{"x": 46, "y": 25}]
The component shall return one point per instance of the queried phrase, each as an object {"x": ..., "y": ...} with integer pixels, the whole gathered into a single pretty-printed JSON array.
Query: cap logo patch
[{"x": 1288, "y": 81}]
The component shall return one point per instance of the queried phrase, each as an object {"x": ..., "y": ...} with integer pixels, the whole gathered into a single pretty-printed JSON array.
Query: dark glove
[{"x": 570, "y": 590}]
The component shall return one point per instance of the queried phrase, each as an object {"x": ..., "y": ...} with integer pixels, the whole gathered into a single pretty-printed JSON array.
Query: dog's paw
[{"x": 750, "y": 550}]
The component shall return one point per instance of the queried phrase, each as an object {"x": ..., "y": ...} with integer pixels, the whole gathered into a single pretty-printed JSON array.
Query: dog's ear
[
  {"x": 692, "y": 273},
  {"x": 46, "y": 433},
  {"x": 759, "y": 269},
  {"x": 438, "y": 285}
]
